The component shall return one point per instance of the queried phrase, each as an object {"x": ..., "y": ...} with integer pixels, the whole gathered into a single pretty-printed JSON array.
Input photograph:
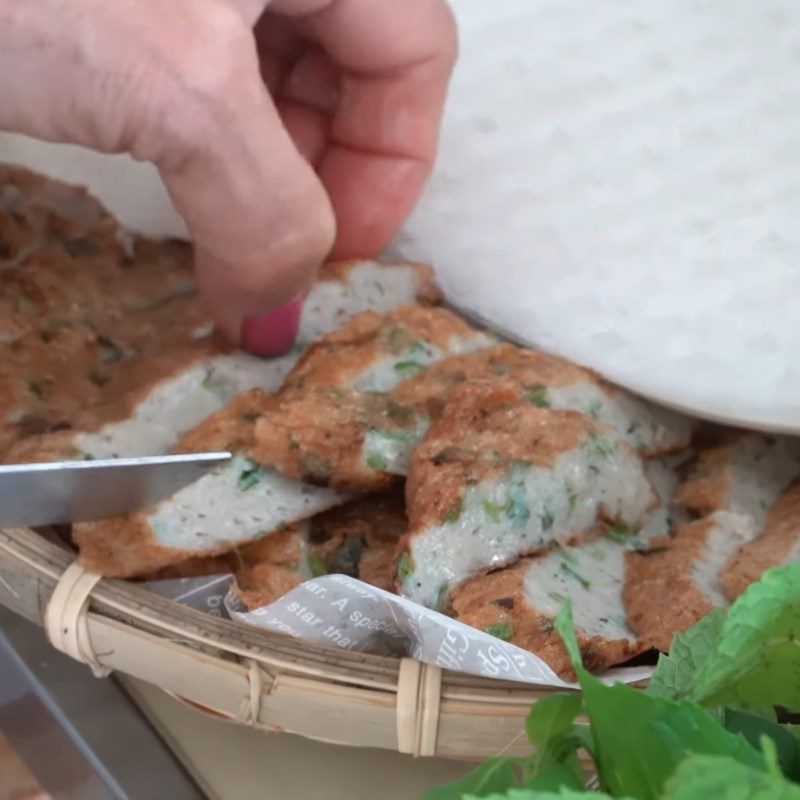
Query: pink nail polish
[{"x": 274, "y": 333}]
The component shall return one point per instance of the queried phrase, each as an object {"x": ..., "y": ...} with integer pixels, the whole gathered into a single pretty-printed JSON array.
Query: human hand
[{"x": 316, "y": 134}]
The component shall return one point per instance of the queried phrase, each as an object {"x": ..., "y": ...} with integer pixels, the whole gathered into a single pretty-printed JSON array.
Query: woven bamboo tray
[{"x": 265, "y": 680}]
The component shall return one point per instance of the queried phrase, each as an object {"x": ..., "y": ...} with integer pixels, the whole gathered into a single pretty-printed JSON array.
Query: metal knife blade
[{"x": 80, "y": 491}]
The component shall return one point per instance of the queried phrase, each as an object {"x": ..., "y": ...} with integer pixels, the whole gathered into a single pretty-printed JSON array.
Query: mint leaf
[
  {"x": 552, "y": 716},
  {"x": 675, "y": 673},
  {"x": 754, "y": 661},
  {"x": 702, "y": 777},
  {"x": 755, "y": 728},
  {"x": 639, "y": 739},
  {"x": 491, "y": 778},
  {"x": 557, "y": 778},
  {"x": 551, "y": 729},
  {"x": 536, "y": 794}
]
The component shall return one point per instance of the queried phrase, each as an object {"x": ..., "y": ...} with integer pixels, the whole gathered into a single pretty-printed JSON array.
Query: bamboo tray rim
[{"x": 260, "y": 678}]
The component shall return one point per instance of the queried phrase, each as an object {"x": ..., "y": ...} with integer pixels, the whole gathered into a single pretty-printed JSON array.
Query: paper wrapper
[{"x": 339, "y": 611}]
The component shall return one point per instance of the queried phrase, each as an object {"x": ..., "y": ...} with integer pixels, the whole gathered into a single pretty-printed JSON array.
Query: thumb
[{"x": 260, "y": 219}]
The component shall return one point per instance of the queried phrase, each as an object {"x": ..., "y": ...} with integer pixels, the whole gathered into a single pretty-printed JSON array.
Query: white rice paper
[{"x": 339, "y": 611}]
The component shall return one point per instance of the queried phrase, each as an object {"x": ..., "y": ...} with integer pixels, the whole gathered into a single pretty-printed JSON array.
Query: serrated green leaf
[
  {"x": 552, "y": 716},
  {"x": 754, "y": 662},
  {"x": 754, "y": 728},
  {"x": 707, "y": 777},
  {"x": 640, "y": 739},
  {"x": 493, "y": 777},
  {"x": 555, "y": 779},
  {"x": 556, "y": 739},
  {"x": 674, "y": 674},
  {"x": 535, "y": 794}
]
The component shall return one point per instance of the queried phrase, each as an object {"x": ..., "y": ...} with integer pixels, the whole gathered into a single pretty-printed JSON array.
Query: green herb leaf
[
  {"x": 517, "y": 505},
  {"x": 711, "y": 777},
  {"x": 620, "y": 533},
  {"x": 674, "y": 674},
  {"x": 568, "y": 570},
  {"x": 492, "y": 777},
  {"x": 639, "y": 739},
  {"x": 408, "y": 369},
  {"x": 551, "y": 716},
  {"x": 441, "y": 597},
  {"x": 250, "y": 476},
  {"x": 533, "y": 792},
  {"x": 404, "y": 567},
  {"x": 547, "y": 518},
  {"x": 455, "y": 512},
  {"x": 558, "y": 781},
  {"x": 494, "y": 510},
  {"x": 602, "y": 448},
  {"x": 537, "y": 396},
  {"x": 502, "y": 630},
  {"x": 552, "y": 730},
  {"x": 377, "y": 462},
  {"x": 754, "y": 660},
  {"x": 754, "y": 728},
  {"x": 566, "y": 630},
  {"x": 316, "y": 565}
]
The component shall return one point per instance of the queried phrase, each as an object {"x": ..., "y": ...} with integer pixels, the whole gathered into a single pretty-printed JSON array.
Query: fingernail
[{"x": 273, "y": 334}]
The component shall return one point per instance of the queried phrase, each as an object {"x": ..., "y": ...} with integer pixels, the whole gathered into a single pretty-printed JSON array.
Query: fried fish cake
[
  {"x": 496, "y": 478},
  {"x": 677, "y": 581},
  {"x": 238, "y": 502},
  {"x": 744, "y": 475},
  {"x": 356, "y": 539},
  {"x": 374, "y": 352},
  {"x": 344, "y": 289},
  {"x": 550, "y": 382},
  {"x": 192, "y": 568},
  {"x": 148, "y": 405},
  {"x": 777, "y": 546},
  {"x": 519, "y": 604},
  {"x": 338, "y": 437}
]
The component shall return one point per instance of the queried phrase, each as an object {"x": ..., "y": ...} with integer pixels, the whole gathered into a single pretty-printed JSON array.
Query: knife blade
[{"x": 81, "y": 491}]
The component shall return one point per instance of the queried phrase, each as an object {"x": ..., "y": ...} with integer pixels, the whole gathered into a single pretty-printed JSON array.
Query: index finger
[{"x": 396, "y": 60}]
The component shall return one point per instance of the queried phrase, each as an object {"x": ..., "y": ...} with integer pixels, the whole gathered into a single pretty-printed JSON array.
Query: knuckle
[{"x": 217, "y": 50}]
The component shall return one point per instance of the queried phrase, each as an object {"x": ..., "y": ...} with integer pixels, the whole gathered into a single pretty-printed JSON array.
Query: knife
[{"x": 80, "y": 491}]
